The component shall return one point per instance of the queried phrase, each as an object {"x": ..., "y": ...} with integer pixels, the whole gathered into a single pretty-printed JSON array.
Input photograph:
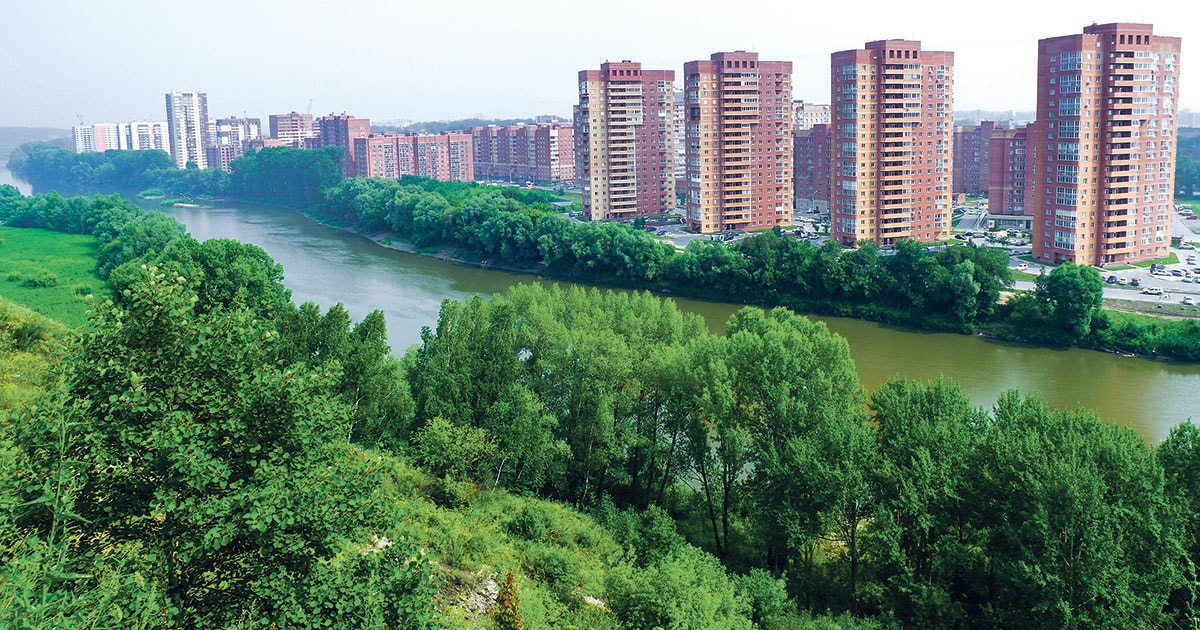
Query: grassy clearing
[
  {"x": 49, "y": 272},
  {"x": 1169, "y": 260},
  {"x": 1155, "y": 309}
]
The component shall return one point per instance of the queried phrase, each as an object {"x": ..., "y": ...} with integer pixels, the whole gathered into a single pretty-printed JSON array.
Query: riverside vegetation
[
  {"x": 206, "y": 453},
  {"x": 957, "y": 289}
]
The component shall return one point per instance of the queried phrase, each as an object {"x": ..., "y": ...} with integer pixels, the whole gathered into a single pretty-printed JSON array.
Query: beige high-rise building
[
  {"x": 893, "y": 136},
  {"x": 625, "y": 141},
  {"x": 1104, "y": 145},
  {"x": 187, "y": 124},
  {"x": 739, "y": 142}
]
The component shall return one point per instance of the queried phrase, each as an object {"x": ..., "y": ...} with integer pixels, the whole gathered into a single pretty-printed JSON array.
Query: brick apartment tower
[
  {"x": 624, "y": 141},
  {"x": 893, "y": 113},
  {"x": 1104, "y": 145},
  {"x": 972, "y": 157},
  {"x": 739, "y": 142},
  {"x": 812, "y": 157},
  {"x": 342, "y": 131},
  {"x": 187, "y": 126},
  {"x": 1007, "y": 169}
]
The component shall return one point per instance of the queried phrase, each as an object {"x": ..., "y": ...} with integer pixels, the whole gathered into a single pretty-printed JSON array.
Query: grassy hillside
[
  {"x": 27, "y": 343},
  {"x": 49, "y": 272}
]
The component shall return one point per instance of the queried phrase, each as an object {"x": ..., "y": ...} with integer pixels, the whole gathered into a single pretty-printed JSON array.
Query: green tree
[
  {"x": 148, "y": 233},
  {"x": 1078, "y": 526},
  {"x": 231, "y": 473},
  {"x": 923, "y": 533},
  {"x": 1179, "y": 456},
  {"x": 1070, "y": 296}
]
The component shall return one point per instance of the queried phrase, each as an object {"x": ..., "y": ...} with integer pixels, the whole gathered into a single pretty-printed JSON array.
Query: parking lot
[{"x": 1178, "y": 282}]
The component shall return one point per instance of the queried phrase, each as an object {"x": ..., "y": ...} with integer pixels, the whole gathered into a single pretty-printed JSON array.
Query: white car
[
  {"x": 1187, "y": 300},
  {"x": 1022, "y": 266},
  {"x": 1153, "y": 291}
]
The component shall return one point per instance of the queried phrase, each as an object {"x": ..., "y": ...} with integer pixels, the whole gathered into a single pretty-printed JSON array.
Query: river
[{"x": 326, "y": 266}]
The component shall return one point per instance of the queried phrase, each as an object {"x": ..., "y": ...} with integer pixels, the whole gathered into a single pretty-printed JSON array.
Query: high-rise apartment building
[
  {"x": 624, "y": 141},
  {"x": 680, "y": 130},
  {"x": 739, "y": 142},
  {"x": 812, "y": 157},
  {"x": 187, "y": 126},
  {"x": 293, "y": 129},
  {"x": 972, "y": 156},
  {"x": 341, "y": 131},
  {"x": 1007, "y": 169},
  {"x": 543, "y": 153},
  {"x": 1104, "y": 145},
  {"x": 893, "y": 116}
]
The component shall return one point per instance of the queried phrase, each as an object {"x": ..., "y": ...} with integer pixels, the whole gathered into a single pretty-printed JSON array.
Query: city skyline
[{"x": 308, "y": 57}]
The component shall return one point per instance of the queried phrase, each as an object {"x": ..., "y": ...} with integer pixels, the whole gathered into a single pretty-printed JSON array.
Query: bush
[{"x": 39, "y": 279}]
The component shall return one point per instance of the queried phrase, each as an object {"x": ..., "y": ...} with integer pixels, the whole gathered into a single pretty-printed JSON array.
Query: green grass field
[{"x": 49, "y": 272}]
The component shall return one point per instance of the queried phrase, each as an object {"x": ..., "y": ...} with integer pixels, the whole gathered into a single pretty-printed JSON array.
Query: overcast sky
[{"x": 112, "y": 60}]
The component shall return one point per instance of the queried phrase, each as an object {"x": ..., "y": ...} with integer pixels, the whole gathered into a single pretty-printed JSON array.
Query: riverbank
[
  {"x": 326, "y": 266},
  {"x": 809, "y": 306}
]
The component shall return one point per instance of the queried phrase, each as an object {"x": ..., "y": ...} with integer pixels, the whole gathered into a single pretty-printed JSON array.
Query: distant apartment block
[
  {"x": 893, "y": 113},
  {"x": 812, "y": 158},
  {"x": 808, "y": 114},
  {"x": 446, "y": 156},
  {"x": 263, "y": 143},
  {"x": 341, "y": 131},
  {"x": 292, "y": 129},
  {"x": 1008, "y": 152},
  {"x": 543, "y": 153},
  {"x": 236, "y": 130},
  {"x": 624, "y": 141},
  {"x": 972, "y": 156},
  {"x": 231, "y": 138},
  {"x": 739, "y": 142},
  {"x": 131, "y": 136},
  {"x": 1104, "y": 145},
  {"x": 188, "y": 127},
  {"x": 96, "y": 138}
]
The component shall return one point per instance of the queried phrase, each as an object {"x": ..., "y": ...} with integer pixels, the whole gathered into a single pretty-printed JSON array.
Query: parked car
[
  {"x": 1153, "y": 291},
  {"x": 1186, "y": 246},
  {"x": 1176, "y": 272},
  {"x": 1111, "y": 280},
  {"x": 1135, "y": 282},
  {"x": 1187, "y": 300},
  {"x": 1122, "y": 281}
]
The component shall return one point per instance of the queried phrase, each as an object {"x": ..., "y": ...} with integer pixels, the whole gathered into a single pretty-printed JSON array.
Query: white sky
[{"x": 112, "y": 60}]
